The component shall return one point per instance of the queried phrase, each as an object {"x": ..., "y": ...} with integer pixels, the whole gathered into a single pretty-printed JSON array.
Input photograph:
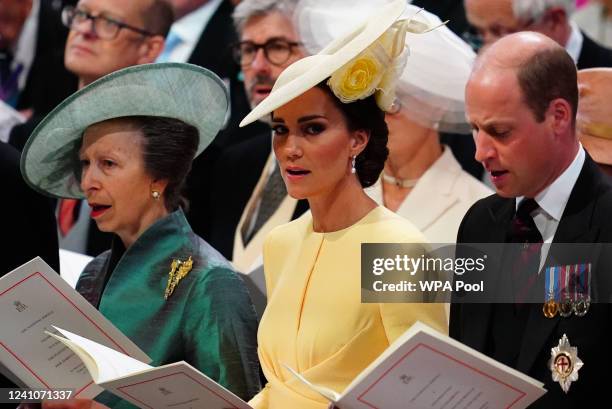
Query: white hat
[{"x": 360, "y": 63}]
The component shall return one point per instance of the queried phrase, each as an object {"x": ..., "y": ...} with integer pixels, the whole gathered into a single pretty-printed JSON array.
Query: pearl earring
[
  {"x": 353, "y": 170},
  {"x": 156, "y": 195}
]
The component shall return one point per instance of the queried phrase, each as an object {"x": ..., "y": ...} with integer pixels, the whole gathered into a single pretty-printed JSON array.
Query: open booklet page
[
  {"x": 424, "y": 369},
  {"x": 33, "y": 299},
  {"x": 103, "y": 363},
  {"x": 177, "y": 385}
]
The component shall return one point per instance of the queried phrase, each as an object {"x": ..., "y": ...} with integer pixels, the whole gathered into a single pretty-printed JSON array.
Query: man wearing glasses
[
  {"x": 495, "y": 19},
  {"x": 105, "y": 36},
  {"x": 249, "y": 194}
]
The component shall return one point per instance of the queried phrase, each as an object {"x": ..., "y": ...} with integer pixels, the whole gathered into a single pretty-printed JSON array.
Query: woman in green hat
[{"x": 125, "y": 143}]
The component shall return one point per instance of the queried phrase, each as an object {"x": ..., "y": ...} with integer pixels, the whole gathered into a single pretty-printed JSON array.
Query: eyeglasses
[
  {"x": 104, "y": 27},
  {"x": 277, "y": 51}
]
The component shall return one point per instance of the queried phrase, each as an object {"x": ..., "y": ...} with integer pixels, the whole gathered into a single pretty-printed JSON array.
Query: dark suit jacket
[
  {"x": 28, "y": 224},
  {"x": 48, "y": 82},
  {"x": 213, "y": 52},
  {"x": 593, "y": 55},
  {"x": 237, "y": 173},
  {"x": 586, "y": 219}
]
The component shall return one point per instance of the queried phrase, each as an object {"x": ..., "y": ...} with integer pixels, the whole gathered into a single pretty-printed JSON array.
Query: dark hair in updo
[
  {"x": 364, "y": 114},
  {"x": 169, "y": 148}
]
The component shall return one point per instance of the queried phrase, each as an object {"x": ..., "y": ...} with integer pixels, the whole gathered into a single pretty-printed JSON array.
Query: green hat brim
[{"x": 181, "y": 91}]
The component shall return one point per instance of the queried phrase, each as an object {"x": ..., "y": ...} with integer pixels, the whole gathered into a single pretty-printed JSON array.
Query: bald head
[
  {"x": 514, "y": 50},
  {"x": 543, "y": 69}
]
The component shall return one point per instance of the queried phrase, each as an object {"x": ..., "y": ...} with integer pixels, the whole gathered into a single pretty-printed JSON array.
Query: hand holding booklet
[{"x": 422, "y": 369}]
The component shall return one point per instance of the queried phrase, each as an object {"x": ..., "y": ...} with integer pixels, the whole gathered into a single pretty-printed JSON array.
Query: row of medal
[
  {"x": 567, "y": 290},
  {"x": 565, "y": 308}
]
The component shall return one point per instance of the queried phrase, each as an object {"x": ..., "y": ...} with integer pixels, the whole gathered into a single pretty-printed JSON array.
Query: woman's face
[
  {"x": 405, "y": 136},
  {"x": 313, "y": 145},
  {"x": 114, "y": 179}
]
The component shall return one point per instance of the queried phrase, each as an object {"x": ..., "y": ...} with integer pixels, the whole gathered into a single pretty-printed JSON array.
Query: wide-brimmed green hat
[{"x": 186, "y": 92}]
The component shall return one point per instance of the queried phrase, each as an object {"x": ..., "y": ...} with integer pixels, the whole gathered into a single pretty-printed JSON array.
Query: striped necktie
[
  {"x": 271, "y": 197},
  {"x": 525, "y": 269}
]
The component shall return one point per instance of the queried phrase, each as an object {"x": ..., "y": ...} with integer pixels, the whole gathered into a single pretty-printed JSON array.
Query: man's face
[
  {"x": 91, "y": 57},
  {"x": 13, "y": 14},
  {"x": 516, "y": 150},
  {"x": 260, "y": 75},
  {"x": 492, "y": 19}
]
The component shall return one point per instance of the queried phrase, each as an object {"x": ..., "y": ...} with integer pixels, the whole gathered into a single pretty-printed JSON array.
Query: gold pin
[{"x": 178, "y": 270}]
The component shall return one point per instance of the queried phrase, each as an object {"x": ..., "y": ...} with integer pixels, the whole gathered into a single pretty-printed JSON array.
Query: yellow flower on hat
[
  {"x": 374, "y": 70},
  {"x": 378, "y": 67},
  {"x": 358, "y": 79}
]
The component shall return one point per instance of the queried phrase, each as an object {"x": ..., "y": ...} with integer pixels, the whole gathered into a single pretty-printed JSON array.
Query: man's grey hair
[
  {"x": 534, "y": 10},
  {"x": 248, "y": 9}
]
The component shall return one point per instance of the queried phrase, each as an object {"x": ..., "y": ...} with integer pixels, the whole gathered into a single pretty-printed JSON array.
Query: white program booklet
[
  {"x": 424, "y": 369},
  {"x": 176, "y": 386},
  {"x": 33, "y": 299}
]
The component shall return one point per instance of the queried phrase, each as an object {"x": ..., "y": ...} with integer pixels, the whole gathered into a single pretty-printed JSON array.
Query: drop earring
[{"x": 353, "y": 170}]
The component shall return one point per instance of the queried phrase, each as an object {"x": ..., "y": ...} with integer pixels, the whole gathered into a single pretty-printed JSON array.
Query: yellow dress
[{"x": 314, "y": 321}]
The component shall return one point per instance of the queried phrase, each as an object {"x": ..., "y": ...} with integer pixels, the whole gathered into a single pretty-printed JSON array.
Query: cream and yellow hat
[
  {"x": 594, "y": 120},
  {"x": 431, "y": 87},
  {"x": 366, "y": 60}
]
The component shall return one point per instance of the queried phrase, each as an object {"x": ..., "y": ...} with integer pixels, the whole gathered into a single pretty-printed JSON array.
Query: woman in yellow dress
[{"x": 330, "y": 142}]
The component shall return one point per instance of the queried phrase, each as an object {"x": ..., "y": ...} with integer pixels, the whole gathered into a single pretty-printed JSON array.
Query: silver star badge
[{"x": 564, "y": 363}]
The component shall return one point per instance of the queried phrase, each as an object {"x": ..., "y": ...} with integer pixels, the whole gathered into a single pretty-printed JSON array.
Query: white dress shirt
[{"x": 552, "y": 201}]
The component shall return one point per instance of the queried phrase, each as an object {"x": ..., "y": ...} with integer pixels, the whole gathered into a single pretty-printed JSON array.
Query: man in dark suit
[
  {"x": 521, "y": 100},
  {"x": 495, "y": 19},
  {"x": 203, "y": 34},
  {"x": 268, "y": 44},
  {"x": 492, "y": 20},
  {"x": 36, "y": 43}
]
